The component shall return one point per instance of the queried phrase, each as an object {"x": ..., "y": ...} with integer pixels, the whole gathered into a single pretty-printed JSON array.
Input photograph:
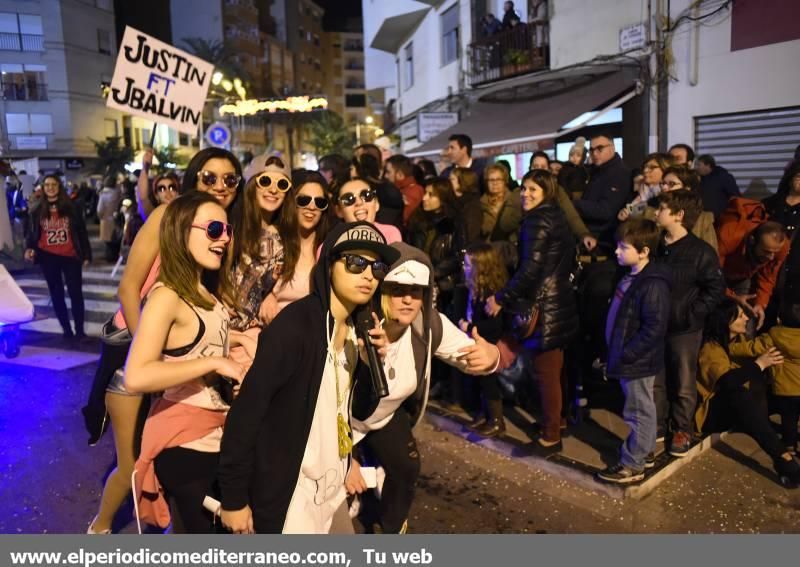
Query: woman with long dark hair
[
  {"x": 59, "y": 243},
  {"x": 546, "y": 250},
  {"x": 466, "y": 187},
  {"x": 733, "y": 392},
  {"x": 214, "y": 171},
  {"x": 303, "y": 226},
  {"x": 258, "y": 250},
  {"x": 433, "y": 228}
]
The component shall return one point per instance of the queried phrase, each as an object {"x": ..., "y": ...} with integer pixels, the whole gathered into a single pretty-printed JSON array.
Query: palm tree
[{"x": 221, "y": 56}]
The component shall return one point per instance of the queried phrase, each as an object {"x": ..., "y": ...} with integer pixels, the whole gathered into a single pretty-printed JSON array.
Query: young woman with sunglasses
[
  {"x": 109, "y": 400},
  {"x": 287, "y": 442},
  {"x": 180, "y": 348},
  {"x": 59, "y": 243},
  {"x": 417, "y": 333},
  {"x": 164, "y": 189},
  {"x": 304, "y": 222},
  {"x": 357, "y": 201},
  {"x": 258, "y": 250}
]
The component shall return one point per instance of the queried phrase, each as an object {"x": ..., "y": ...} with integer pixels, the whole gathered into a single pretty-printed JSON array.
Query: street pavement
[{"x": 50, "y": 480}]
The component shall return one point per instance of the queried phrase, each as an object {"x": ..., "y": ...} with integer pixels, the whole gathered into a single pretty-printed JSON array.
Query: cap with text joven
[{"x": 363, "y": 235}]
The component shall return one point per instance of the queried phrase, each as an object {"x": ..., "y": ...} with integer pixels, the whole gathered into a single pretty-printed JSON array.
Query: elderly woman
[{"x": 545, "y": 252}]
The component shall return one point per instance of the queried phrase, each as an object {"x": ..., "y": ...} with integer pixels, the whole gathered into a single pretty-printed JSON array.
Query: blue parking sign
[{"x": 218, "y": 135}]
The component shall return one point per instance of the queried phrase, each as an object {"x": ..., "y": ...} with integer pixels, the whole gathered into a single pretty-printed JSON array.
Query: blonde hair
[
  {"x": 489, "y": 273},
  {"x": 495, "y": 167}
]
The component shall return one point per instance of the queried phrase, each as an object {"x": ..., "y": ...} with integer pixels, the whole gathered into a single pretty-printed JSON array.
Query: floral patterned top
[{"x": 255, "y": 278}]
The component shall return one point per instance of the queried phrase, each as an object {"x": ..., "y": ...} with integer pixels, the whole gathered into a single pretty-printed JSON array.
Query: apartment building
[{"x": 54, "y": 55}]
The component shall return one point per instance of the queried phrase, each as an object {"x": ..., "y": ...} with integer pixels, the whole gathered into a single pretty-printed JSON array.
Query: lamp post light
[{"x": 367, "y": 123}]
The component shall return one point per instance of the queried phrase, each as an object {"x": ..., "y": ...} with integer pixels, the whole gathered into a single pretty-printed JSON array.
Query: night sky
[{"x": 338, "y": 11}]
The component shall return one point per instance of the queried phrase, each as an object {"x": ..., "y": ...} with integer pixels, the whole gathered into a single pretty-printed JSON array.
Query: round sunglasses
[
  {"x": 303, "y": 201},
  {"x": 264, "y": 181},
  {"x": 209, "y": 179},
  {"x": 163, "y": 188},
  {"x": 349, "y": 199},
  {"x": 215, "y": 229},
  {"x": 356, "y": 264}
]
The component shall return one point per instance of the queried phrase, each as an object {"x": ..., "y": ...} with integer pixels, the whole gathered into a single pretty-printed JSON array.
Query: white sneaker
[{"x": 90, "y": 530}]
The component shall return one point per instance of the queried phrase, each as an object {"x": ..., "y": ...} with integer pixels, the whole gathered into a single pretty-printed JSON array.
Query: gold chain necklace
[{"x": 343, "y": 430}]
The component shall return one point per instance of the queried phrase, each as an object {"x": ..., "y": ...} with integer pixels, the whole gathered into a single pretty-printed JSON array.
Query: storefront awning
[{"x": 503, "y": 124}]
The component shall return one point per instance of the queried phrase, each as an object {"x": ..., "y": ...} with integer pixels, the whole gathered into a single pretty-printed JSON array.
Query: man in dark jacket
[
  {"x": 717, "y": 185},
  {"x": 459, "y": 151},
  {"x": 697, "y": 287},
  {"x": 635, "y": 330},
  {"x": 608, "y": 190}
]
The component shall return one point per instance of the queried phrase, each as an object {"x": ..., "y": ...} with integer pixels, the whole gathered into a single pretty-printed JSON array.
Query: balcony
[
  {"x": 21, "y": 42},
  {"x": 353, "y": 46},
  {"x": 522, "y": 49},
  {"x": 24, "y": 91}
]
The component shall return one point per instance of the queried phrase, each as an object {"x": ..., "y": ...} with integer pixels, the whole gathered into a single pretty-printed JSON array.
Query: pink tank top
[{"x": 119, "y": 318}]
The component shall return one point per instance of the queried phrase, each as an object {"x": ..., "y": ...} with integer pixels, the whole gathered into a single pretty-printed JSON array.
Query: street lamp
[{"x": 367, "y": 123}]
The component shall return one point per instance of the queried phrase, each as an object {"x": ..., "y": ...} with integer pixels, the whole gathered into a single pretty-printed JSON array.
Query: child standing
[
  {"x": 635, "y": 330},
  {"x": 697, "y": 287},
  {"x": 485, "y": 274}
]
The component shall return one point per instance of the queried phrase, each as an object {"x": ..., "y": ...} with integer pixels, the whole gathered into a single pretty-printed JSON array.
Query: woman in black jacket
[
  {"x": 466, "y": 187},
  {"x": 59, "y": 242},
  {"x": 433, "y": 228},
  {"x": 546, "y": 249}
]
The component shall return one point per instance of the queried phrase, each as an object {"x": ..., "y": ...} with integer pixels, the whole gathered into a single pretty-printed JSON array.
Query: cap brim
[{"x": 383, "y": 251}]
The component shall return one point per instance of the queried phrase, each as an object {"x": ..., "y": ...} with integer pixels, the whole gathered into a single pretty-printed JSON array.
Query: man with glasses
[{"x": 608, "y": 190}]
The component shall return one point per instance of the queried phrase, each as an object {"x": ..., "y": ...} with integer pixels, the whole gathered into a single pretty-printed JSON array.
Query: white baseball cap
[{"x": 411, "y": 272}]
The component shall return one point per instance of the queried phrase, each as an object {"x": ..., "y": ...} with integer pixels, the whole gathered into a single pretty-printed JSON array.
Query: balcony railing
[
  {"x": 24, "y": 91},
  {"x": 522, "y": 49},
  {"x": 353, "y": 46},
  {"x": 21, "y": 42}
]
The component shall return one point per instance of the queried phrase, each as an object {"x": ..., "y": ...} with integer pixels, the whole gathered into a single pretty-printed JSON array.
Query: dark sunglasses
[
  {"x": 356, "y": 264},
  {"x": 162, "y": 188},
  {"x": 229, "y": 180},
  {"x": 215, "y": 229},
  {"x": 303, "y": 201},
  {"x": 349, "y": 199},
  {"x": 264, "y": 181}
]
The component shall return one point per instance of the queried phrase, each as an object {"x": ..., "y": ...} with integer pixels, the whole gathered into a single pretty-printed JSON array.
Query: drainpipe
[
  {"x": 662, "y": 94},
  {"x": 694, "y": 55}
]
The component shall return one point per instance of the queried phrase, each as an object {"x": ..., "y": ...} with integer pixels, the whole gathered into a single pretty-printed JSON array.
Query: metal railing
[
  {"x": 24, "y": 91},
  {"x": 21, "y": 42},
  {"x": 522, "y": 49}
]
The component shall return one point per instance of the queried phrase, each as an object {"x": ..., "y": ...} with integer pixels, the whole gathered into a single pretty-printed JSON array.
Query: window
[
  {"x": 104, "y": 41},
  {"x": 449, "y": 21},
  {"x": 29, "y": 123},
  {"x": 409, "y": 66},
  {"x": 21, "y": 32},
  {"x": 355, "y": 100},
  {"x": 23, "y": 82}
]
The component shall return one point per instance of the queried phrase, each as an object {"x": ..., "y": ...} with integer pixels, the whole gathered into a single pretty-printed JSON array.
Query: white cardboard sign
[{"x": 160, "y": 82}]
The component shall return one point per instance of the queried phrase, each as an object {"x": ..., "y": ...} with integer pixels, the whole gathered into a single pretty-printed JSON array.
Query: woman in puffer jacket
[{"x": 546, "y": 252}]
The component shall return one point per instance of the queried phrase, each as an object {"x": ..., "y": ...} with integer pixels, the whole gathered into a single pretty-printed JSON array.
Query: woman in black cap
[{"x": 287, "y": 442}]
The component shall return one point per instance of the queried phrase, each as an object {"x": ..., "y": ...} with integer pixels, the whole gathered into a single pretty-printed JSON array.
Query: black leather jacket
[
  {"x": 697, "y": 282},
  {"x": 636, "y": 347},
  {"x": 440, "y": 237},
  {"x": 546, "y": 252}
]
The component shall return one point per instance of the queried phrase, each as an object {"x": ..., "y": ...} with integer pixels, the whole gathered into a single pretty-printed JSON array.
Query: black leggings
[
  {"x": 789, "y": 408},
  {"x": 396, "y": 450},
  {"x": 745, "y": 409},
  {"x": 53, "y": 268},
  {"x": 187, "y": 477}
]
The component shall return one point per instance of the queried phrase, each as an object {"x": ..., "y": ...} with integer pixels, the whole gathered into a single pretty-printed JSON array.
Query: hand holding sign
[{"x": 160, "y": 82}]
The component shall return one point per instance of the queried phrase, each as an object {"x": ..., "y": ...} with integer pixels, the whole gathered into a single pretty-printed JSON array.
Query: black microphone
[{"x": 364, "y": 323}]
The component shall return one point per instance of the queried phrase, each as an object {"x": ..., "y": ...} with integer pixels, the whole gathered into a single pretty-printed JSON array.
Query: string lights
[{"x": 290, "y": 104}]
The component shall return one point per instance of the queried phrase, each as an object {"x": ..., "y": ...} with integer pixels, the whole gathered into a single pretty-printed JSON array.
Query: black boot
[
  {"x": 788, "y": 471},
  {"x": 495, "y": 425}
]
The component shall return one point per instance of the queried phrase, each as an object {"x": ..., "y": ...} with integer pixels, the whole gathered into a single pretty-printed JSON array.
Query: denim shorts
[{"x": 117, "y": 384}]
